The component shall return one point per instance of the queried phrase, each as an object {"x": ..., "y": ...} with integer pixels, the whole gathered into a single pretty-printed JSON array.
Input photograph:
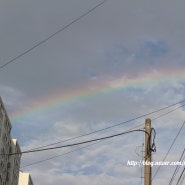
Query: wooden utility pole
[{"x": 147, "y": 158}]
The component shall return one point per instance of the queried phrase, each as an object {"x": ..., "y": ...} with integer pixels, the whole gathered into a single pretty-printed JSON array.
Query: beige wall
[{"x": 25, "y": 179}]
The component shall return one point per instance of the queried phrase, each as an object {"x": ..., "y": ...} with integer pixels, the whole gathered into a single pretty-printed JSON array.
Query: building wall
[
  {"x": 14, "y": 163},
  {"x": 9, "y": 164},
  {"x": 25, "y": 179},
  {"x": 5, "y": 144}
]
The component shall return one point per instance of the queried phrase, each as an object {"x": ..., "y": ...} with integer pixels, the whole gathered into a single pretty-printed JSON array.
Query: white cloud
[
  {"x": 69, "y": 128},
  {"x": 81, "y": 179}
]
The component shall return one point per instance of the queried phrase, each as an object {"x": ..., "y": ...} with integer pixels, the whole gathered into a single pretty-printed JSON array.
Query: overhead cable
[
  {"x": 75, "y": 144},
  {"x": 180, "y": 177},
  {"x": 60, "y": 155},
  {"x": 174, "y": 140},
  {"x": 177, "y": 168},
  {"x": 121, "y": 123},
  {"x": 52, "y": 35},
  {"x": 93, "y": 143}
]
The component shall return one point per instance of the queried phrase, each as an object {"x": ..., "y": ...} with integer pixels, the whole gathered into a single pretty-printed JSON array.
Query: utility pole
[{"x": 147, "y": 158}]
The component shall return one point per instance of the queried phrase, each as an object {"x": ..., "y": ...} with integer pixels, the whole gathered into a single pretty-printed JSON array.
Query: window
[
  {"x": 4, "y": 138},
  {"x": 10, "y": 149},
  {"x": 8, "y": 165},
  {"x": 7, "y": 176},
  {"x": 1, "y": 163}
]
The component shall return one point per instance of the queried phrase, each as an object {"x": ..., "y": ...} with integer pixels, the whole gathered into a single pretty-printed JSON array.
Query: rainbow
[{"x": 57, "y": 100}]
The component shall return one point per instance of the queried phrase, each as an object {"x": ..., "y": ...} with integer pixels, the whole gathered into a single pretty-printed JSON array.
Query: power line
[
  {"x": 53, "y": 157},
  {"x": 122, "y": 123},
  {"x": 169, "y": 149},
  {"x": 180, "y": 176},
  {"x": 82, "y": 147},
  {"x": 182, "y": 179},
  {"x": 168, "y": 112},
  {"x": 177, "y": 168},
  {"x": 52, "y": 35},
  {"x": 94, "y": 143},
  {"x": 75, "y": 144}
]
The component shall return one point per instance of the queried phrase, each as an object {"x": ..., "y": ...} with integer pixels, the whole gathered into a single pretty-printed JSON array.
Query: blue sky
[{"x": 119, "y": 43}]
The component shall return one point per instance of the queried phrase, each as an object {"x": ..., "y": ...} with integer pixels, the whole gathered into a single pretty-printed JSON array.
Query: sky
[{"x": 122, "y": 60}]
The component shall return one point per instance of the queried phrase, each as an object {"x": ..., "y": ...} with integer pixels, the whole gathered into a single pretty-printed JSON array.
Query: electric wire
[
  {"x": 180, "y": 176},
  {"x": 100, "y": 141},
  {"x": 86, "y": 146},
  {"x": 47, "y": 159},
  {"x": 52, "y": 35},
  {"x": 182, "y": 179},
  {"x": 60, "y": 155},
  {"x": 92, "y": 144},
  {"x": 168, "y": 112},
  {"x": 75, "y": 144},
  {"x": 122, "y": 123},
  {"x": 151, "y": 147},
  {"x": 169, "y": 150},
  {"x": 177, "y": 168}
]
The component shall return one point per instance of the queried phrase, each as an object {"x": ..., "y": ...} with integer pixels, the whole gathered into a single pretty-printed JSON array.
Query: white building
[
  {"x": 14, "y": 163},
  {"x": 25, "y": 179}
]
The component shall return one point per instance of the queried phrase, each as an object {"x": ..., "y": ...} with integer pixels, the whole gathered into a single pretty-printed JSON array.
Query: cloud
[
  {"x": 82, "y": 180},
  {"x": 155, "y": 49},
  {"x": 69, "y": 128}
]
